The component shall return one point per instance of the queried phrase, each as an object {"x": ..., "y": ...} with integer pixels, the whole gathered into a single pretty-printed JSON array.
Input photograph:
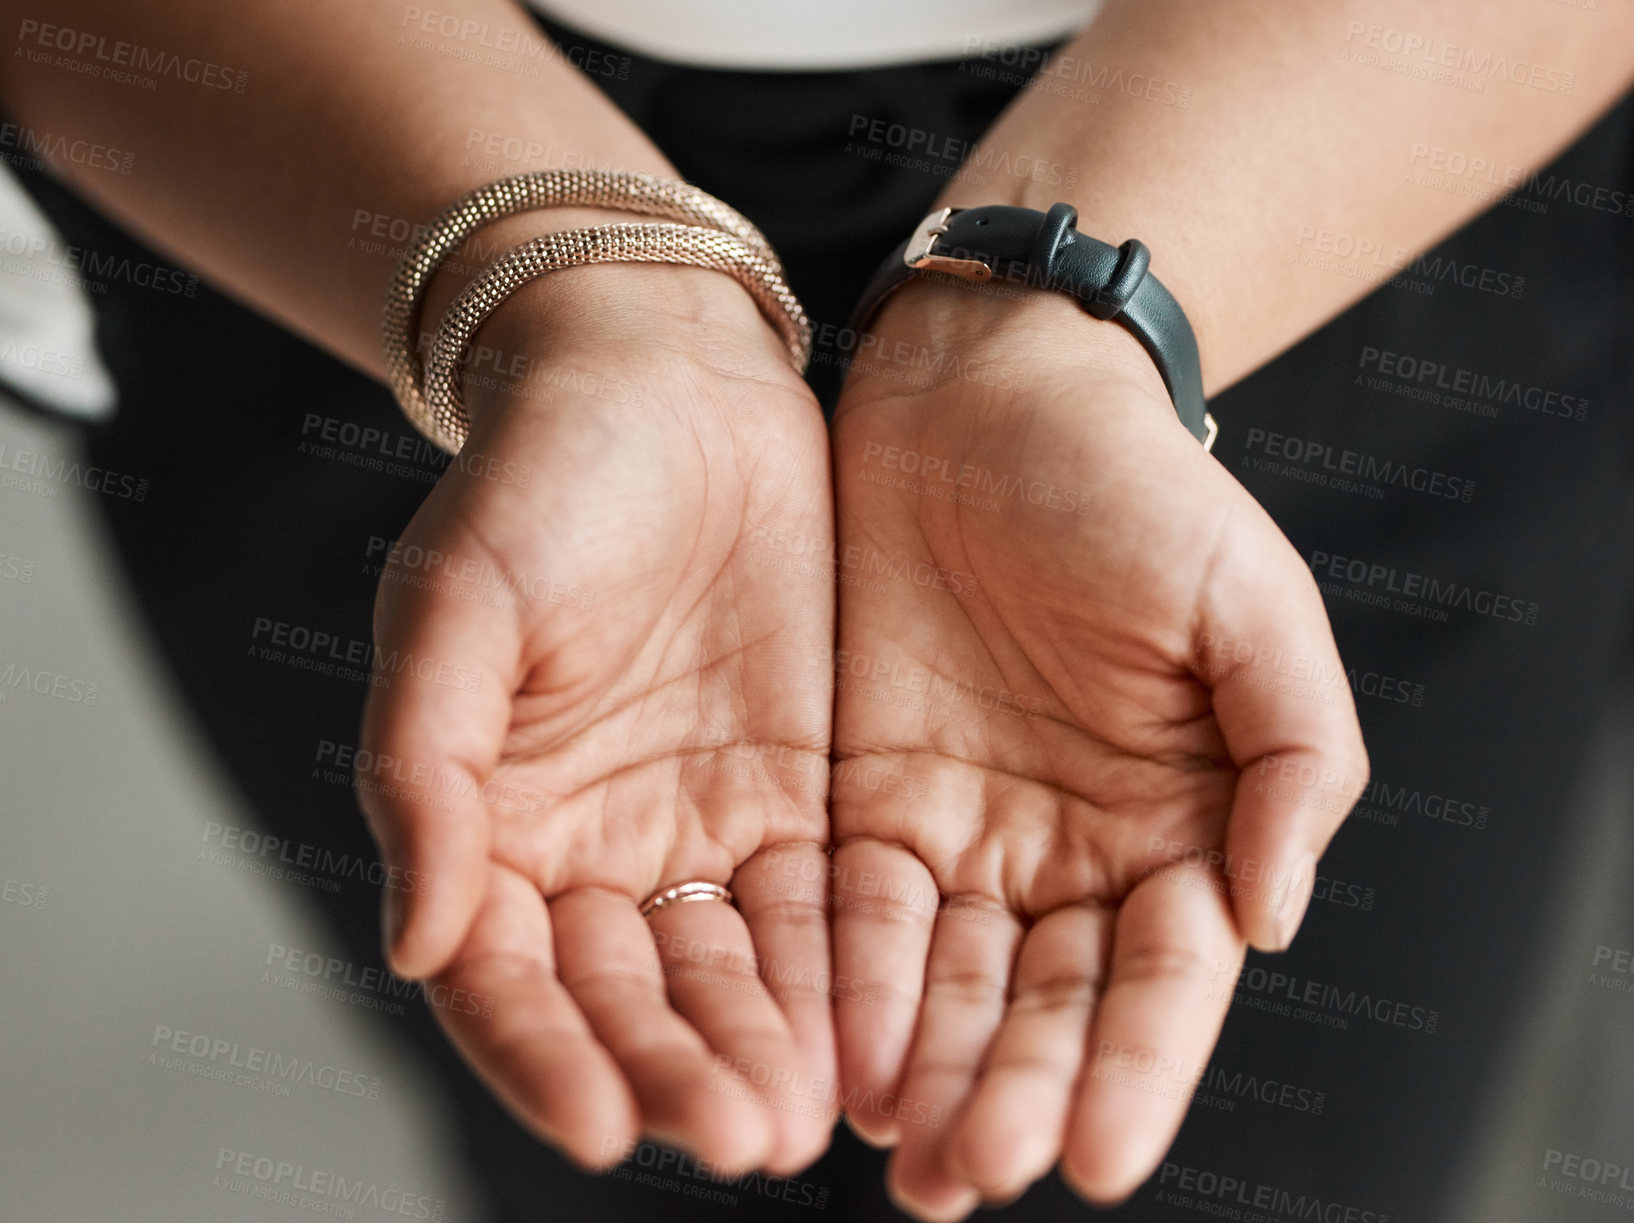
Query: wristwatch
[{"x": 1001, "y": 243}]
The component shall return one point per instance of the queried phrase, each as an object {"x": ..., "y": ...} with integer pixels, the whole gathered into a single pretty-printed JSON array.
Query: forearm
[
  {"x": 354, "y": 125},
  {"x": 1288, "y": 148}
]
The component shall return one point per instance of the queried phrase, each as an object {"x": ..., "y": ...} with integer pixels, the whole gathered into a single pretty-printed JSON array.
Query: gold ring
[{"x": 681, "y": 893}]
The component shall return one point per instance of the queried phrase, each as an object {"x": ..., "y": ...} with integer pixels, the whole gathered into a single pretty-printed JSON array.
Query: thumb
[
  {"x": 1285, "y": 710},
  {"x": 433, "y": 728}
]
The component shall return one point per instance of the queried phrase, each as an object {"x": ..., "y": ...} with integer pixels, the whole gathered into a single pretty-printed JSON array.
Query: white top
[
  {"x": 791, "y": 35},
  {"x": 47, "y": 326}
]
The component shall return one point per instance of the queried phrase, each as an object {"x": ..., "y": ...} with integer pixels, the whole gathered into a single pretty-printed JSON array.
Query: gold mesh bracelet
[
  {"x": 686, "y": 244},
  {"x": 645, "y": 194}
]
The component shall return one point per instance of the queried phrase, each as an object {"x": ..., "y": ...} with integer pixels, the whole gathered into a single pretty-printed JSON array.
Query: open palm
[
  {"x": 633, "y": 708},
  {"x": 1078, "y": 714}
]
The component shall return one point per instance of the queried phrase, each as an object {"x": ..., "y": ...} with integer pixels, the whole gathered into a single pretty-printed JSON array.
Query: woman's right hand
[{"x": 600, "y": 688}]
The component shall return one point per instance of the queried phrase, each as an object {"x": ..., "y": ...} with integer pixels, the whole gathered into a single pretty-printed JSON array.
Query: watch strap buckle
[{"x": 920, "y": 252}]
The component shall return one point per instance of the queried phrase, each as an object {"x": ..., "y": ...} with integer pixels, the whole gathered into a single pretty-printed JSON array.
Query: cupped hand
[
  {"x": 1083, "y": 762},
  {"x": 591, "y": 689}
]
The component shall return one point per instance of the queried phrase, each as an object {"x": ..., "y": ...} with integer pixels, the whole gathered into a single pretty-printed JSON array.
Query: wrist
[
  {"x": 951, "y": 322},
  {"x": 606, "y": 319},
  {"x": 1183, "y": 270},
  {"x": 624, "y": 324},
  {"x": 489, "y": 243}
]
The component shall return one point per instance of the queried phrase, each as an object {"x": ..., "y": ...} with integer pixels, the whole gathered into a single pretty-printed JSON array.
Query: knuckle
[
  {"x": 1163, "y": 961},
  {"x": 967, "y": 985},
  {"x": 1067, "y": 992}
]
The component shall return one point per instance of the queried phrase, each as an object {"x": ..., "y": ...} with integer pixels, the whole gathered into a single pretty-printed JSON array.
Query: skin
[
  {"x": 674, "y": 730},
  {"x": 1021, "y": 1035},
  {"x": 1063, "y": 825},
  {"x": 1032, "y": 926}
]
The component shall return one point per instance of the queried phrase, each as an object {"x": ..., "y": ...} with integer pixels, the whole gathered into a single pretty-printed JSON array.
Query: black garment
[{"x": 265, "y": 506}]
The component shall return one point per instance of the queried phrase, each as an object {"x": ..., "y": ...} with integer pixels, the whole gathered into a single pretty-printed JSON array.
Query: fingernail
[
  {"x": 1295, "y": 901},
  {"x": 883, "y": 1138}
]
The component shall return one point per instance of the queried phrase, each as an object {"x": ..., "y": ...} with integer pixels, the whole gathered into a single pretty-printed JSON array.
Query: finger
[
  {"x": 433, "y": 728},
  {"x": 1010, "y": 1133},
  {"x": 1175, "y": 955},
  {"x": 714, "y": 982},
  {"x": 967, "y": 983},
  {"x": 504, "y": 1008},
  {"x": 885, "y": 905},
  {"x": 782, "y": 893},
  {"x": 610, "y": 965},
  {"x": 1285, "y": 710}
]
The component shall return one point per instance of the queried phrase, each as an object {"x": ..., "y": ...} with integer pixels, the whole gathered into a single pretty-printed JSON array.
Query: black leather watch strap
[{"x": 1042, "y": 250}]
